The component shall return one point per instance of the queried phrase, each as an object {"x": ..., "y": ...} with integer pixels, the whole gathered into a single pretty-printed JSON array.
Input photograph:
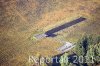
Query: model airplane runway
[{"x": 51, "y": 32}]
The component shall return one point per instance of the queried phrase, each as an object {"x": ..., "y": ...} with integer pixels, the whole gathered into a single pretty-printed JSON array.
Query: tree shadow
[{"x": 73, "y": 58}]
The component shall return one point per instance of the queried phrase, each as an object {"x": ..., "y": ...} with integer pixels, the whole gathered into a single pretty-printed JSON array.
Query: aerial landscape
[{"x": 49, "y": 32}]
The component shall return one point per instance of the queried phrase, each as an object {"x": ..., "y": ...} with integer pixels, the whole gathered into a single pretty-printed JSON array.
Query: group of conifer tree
[{"x": 86, "y": 53}]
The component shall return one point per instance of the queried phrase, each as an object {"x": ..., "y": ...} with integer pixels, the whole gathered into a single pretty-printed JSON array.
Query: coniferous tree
[
  {"x": 89, "y": 48},
  {"x": 64, "y": 60}
]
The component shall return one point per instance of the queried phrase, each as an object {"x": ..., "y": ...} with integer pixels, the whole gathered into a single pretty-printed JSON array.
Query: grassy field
[{"x": 21, "y": 19}]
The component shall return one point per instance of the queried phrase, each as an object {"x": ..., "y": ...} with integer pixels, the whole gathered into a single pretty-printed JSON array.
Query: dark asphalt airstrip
[{"x": 51, "y": 32}]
